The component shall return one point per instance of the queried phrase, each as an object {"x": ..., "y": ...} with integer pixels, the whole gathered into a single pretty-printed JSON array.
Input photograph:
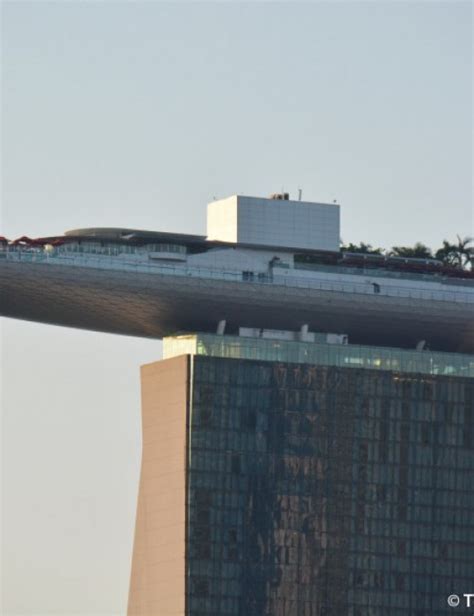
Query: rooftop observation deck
[
  {"x": 303, "y": 275},
  {"x": 134, "y": 245}
]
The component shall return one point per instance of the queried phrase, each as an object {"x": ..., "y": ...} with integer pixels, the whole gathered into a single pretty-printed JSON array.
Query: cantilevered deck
[{"x": 158, "y": 297}]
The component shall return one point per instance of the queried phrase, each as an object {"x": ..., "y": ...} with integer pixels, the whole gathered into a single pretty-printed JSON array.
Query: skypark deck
[
  {"x": 264, "y": 263},
  {"x": 118, "y": 241},
  {"x": 171, "y": 292}
]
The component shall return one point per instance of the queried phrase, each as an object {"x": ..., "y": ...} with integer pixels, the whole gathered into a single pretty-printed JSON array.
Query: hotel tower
[{"x": 308, "y": 437}]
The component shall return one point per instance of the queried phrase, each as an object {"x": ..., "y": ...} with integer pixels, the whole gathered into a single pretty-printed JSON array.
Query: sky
[{"x": 136, "y": 114}]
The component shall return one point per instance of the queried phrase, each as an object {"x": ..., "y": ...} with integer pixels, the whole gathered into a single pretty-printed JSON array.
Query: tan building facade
[{"x": 157, "y": 586}]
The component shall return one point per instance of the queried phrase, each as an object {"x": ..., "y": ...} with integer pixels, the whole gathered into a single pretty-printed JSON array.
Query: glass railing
[
  {"x": 345, "y": 356},
  {"x": 384, "y": 273},
  {"x": 283, "y": 278}
]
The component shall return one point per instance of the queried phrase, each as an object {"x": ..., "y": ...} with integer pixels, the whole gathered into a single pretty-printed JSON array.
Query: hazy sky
[{"x": 136, "y": 114}]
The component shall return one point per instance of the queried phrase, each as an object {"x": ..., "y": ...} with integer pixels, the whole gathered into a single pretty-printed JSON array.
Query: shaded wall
[{"x": 157, "y": 586}]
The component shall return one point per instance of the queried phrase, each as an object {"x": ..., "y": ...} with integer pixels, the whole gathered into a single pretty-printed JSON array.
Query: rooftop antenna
[{"x": 300, "y": 193}]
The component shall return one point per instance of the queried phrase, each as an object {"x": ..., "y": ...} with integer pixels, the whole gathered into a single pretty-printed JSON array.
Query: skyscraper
[
  {"x": 281, "y": 484},
  {"x": 307, "y": 440}
]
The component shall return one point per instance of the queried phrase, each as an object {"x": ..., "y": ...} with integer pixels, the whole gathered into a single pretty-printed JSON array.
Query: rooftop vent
[{"x": 280, "y": 196}]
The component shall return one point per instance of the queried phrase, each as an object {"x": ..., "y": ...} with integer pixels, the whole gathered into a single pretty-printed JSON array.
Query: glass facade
[
  {"x": 349, "y": 356},
  {"x": 114, "y": 248},
  {"x": 327, "y": 490}
]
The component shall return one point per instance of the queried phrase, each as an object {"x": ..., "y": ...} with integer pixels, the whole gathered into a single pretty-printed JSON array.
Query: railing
[
  {"x": 437, "y": 277},
  {"x": 274, "y": 277}
]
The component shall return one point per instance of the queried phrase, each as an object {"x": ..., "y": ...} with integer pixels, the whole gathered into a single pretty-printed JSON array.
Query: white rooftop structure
[{"x": 276, "y": 221}]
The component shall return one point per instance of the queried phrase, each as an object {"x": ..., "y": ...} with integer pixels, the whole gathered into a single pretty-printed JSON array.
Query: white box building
[{"x": 274, "y": 222}]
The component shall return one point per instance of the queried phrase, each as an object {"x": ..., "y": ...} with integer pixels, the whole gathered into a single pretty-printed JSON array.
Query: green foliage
[
  {"x": 418, "y": 251},
  {"x": 362, "y": 248},
  {"x": 459, "y": 254}
]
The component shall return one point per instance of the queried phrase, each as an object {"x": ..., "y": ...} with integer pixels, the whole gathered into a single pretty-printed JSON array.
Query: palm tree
[
  {"x": 449, "y": 255},
  {"x": 419, "y": 251},
  {"x": 466, "y": 252},
  {"x": 459, "y": 255}
]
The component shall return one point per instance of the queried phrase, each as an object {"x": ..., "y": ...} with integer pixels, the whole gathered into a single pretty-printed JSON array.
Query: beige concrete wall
[{"x": 157, "y": 585}]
